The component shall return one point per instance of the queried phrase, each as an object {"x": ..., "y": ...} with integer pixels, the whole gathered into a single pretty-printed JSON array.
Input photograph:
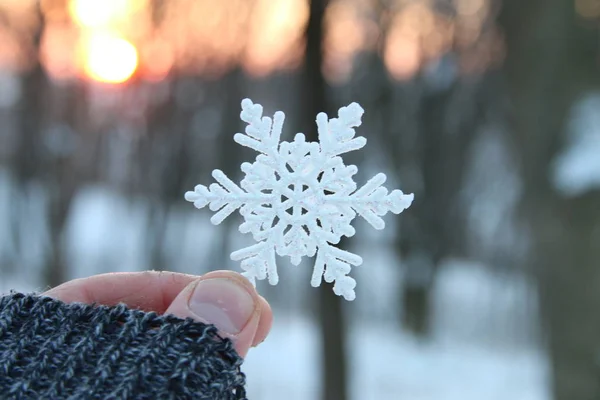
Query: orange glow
[
  {"x": 275, "y": 37},
  {"x": 402, "y": 56},
  {"x": 94, "y": 13},
  {"x": 99, "y": 13},
  {"x": 57, "y": 51},
  {"x": 11, "y": 53},
  {"x": 403, "y": 51},
  {"x": 416, "y": 19},
  {"x": 18, "y": 8},
  {"x": 54, "y": 10},
  {"x": 159, "y": 59},
  {"x": 109, "y": 58},
  {"x": 345, "y": 35},
  {"x": 467, "y": 8},
  {"x": 344, "y": 28},
  {"x": 203, "y": 37}
]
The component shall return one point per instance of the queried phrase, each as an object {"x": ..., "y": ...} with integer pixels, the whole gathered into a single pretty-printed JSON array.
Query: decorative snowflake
[{"x": 298, "y": 198}]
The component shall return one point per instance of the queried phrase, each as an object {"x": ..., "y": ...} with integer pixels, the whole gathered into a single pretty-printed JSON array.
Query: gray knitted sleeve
[{"x": 53, "y": 350}]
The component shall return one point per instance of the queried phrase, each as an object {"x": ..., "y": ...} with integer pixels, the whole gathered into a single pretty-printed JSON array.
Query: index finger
[{"x": 147, "y": 290}]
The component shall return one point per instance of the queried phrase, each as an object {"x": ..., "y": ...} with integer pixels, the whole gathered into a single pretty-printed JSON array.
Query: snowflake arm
[
  {"x": 262, "y": 133},
  {"x": 336, "y": 135},
  {"x": 224, "y": 198},
  {"x": 258, "y": 262},
  {"x": 298, "y": 199},
  {"x": 372, "y": 201}
]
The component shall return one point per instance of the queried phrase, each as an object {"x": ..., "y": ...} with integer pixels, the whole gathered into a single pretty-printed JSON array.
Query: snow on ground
[
  {"x": 102, "y": 233},
  {"x": 387, "y": 364},
  {"x": 483, "y": 345},
  {"x": 287, "y": 364}
]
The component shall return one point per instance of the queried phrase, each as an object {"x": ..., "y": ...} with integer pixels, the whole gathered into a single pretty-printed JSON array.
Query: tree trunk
[
  {"x": 29, "y": 162},
  {"x": 550, "y": 63},
  {"x": 229, "y": 156},
  {"x": 331, "y": 317},
  {"x": 446, "y": 123},
  {"x": 65, "y": 172}
]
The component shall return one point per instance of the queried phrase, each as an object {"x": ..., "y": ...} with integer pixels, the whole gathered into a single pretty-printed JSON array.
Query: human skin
[{"x": 223, "y": 298}]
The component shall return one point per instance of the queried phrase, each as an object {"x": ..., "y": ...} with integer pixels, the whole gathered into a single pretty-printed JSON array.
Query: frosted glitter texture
[{"x": 298, "y": 198}]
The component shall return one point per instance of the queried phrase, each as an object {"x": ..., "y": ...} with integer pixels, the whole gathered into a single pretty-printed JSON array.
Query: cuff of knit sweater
[{"x": 53, "y": 350}]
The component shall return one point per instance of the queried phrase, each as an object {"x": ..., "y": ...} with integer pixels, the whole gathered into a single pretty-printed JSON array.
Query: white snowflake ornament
[{"x": 298, "y": 198}]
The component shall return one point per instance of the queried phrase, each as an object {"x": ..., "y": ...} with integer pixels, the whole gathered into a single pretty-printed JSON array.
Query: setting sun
[{"x": 109, "y": 59}]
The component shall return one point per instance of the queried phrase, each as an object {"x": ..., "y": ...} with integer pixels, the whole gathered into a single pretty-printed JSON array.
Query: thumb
[{"x": 226, "y": 300}]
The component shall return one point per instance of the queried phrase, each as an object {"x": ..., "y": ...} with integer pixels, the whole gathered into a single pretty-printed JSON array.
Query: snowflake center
[{"x": 296, "y": 201}]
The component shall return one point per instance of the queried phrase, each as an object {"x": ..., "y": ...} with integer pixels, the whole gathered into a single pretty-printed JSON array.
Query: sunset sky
[{"x": 111, "y": 40}]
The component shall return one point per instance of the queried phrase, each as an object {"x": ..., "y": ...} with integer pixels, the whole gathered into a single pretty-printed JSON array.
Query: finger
[
  {"x": 266, "y": 321},
  {"x": 156, "y": 291},
  {"x": 230, "y": 302},
  {"x": 147, "y": 290}
]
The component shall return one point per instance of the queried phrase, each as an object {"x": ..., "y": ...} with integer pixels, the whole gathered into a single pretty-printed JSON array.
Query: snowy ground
[
  {"x": 386, "y": 364},
  {"x": 481, "y": 348}
]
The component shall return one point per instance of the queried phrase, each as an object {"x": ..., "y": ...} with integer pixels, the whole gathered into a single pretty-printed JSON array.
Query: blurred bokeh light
[{"x": 109, "y": 58}]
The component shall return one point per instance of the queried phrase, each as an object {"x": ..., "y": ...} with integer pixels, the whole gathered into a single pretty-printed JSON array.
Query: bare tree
[
  {"x": 332, "y": 324},
  {"x": 550, "y": 65},
  {"x": 229, "y": 155},
  {"x": 32, "y": 162},
  {"x": 25, "y": 162}
]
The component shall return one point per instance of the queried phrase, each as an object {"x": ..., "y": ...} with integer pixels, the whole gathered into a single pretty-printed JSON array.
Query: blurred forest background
[{"x": 487, "y": 288}]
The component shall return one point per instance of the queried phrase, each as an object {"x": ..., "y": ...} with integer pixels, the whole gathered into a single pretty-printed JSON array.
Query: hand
[{"x": 222, "y": 298}]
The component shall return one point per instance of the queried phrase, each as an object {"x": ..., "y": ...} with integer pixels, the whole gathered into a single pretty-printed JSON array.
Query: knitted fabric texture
[{"x": 53, "y": 350}]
